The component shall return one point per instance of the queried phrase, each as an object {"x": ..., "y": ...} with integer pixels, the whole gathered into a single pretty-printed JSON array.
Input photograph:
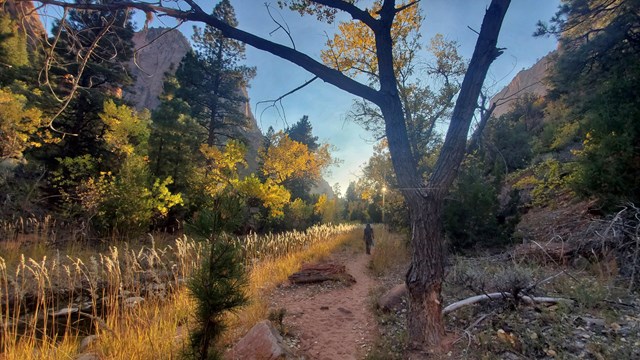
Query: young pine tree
[{"x": 217, "y": 287}]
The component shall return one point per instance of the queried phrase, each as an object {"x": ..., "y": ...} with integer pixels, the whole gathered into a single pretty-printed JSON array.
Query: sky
[{"x": 328, "y": 106}]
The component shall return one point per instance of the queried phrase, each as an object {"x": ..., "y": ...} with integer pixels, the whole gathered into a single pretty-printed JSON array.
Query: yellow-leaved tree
[
  {"x": 287, "y": 159},
  {"x": 127, "y": 199},
  {"x": 220, "y": 177},
  {"x": 18, "y": 124}
]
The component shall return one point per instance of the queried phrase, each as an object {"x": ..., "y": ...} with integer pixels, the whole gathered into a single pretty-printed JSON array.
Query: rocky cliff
[
  {"x": 528, "y": 81},
  {"x": 159, "y": 50},
  {"x": 28, "y": 20}
]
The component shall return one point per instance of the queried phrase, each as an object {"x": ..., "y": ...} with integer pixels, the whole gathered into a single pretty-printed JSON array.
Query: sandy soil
[{"x": 331, "y": 321}]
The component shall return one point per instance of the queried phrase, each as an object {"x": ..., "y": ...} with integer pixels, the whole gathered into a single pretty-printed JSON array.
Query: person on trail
[{"x": 368, "y": 238}]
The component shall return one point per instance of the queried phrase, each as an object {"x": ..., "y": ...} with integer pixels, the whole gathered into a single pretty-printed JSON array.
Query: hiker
[{"x": 368, "y": 238}]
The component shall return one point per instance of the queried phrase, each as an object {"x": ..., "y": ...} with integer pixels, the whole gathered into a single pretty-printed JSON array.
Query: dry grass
[
  {"x": 48, "y": 305},
  {"x": 390, "y": 250}
]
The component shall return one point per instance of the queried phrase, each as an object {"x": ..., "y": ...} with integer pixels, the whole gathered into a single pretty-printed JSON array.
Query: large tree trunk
[{"x": 426, "y": 273}]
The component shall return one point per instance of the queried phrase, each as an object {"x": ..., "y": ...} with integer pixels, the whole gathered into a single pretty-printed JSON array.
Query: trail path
[{"x": 331, "y": 321}]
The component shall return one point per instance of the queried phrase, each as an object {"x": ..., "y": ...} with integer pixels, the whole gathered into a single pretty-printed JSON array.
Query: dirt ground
[{"x": 330, "y": 321}]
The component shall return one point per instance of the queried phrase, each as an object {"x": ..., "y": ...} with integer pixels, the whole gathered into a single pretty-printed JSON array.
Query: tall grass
[
  {"x": 390, "y": 250},
  {"x": 133, "y": 299}
]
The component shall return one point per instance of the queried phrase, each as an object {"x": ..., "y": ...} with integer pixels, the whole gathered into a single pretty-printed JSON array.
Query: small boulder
[
  {"x": 392, "y": 299},
  {"x": 86, "y": 343},
  {"x": 262, "y": 342}
]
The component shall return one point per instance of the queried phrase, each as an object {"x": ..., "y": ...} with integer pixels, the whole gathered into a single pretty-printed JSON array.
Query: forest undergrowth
[{"x": 596, "y": 316}]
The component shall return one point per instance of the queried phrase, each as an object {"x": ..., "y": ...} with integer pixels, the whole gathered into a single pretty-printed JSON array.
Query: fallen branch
[{"x": 501, "y": 295}]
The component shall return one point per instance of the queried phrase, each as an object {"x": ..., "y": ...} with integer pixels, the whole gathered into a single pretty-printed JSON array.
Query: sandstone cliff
[{"x": 528, "y": 81}]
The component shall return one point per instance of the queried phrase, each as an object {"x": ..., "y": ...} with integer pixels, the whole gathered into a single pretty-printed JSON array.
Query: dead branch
[
  {"x": 502, "y": 296},
  {"x": 284, "y": 28}
]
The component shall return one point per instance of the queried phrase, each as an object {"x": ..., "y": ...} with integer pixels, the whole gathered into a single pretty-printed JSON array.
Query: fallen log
[
  {"x": 501, "y": 295},
  {"x": 315, "y": 273}
]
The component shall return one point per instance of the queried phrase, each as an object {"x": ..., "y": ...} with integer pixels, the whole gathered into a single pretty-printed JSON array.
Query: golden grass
[{"x": 31, "y": 291}]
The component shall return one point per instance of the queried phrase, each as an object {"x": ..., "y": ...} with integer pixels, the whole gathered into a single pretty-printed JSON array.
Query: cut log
[{"x": 314, "y": 273}]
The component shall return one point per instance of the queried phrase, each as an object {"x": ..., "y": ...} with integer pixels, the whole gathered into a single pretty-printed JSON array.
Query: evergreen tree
[
  {"x": 302, "y": 131},
  {"x": 13, "y": 43},
  {"x": 97, "y": 76},
  {"x": 217, "y": 287},
  {"x": 176, "y": 138},
  {"x": 211, "y": 79}
]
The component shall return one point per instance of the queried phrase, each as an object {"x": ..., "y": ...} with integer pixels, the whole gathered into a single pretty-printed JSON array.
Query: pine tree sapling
[{"x": 218, "y": 288}]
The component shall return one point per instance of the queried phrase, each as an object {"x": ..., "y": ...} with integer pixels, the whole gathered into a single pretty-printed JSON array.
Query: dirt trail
[{"x": 331, "y": 321}]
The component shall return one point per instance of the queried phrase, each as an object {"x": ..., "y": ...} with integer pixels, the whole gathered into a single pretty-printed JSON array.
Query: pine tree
[
  {"x": 211, "y": 79},
  {"x": 217, "y": 287}
]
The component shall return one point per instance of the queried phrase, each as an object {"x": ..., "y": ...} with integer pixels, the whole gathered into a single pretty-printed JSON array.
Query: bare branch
[
  {"x": 501, "y": 295},
  {"x": 274, "y": 102},
  {"x": 280, "y": 27}
]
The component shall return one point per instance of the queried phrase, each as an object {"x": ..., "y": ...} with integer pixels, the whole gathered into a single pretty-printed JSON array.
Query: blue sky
[{"x": 327, "y": 106}]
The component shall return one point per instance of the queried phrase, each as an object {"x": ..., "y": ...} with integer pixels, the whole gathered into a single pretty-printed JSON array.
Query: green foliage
[
  {"x": 609, "y": 163},
  {"x": 126, "y": 204},
  {"x": 297, "y": 215},
  {"x": 472, "y": 212},
  {"x": 175, "y": 140},
  {"x": 549, "y": 179},
  {"x": 226, "y": 214},
  {"x": 596, "y": 93},
  {"x": 211, "y": 79},
  {"x": 217, "y": 288},
  {"x": 506, "y": 142},
  {"x": 125, "y": 131}
]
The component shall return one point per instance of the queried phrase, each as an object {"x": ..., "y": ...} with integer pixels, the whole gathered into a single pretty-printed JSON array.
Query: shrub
[{"x": 471, "y": 214}]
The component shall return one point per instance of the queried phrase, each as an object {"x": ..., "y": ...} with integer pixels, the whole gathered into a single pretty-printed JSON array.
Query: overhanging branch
[{"x": 195, "y": 13}]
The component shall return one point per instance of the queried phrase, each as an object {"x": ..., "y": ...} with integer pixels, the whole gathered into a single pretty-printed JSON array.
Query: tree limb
[
  {"x": 279, "y": 99},
  {"x": 502, "y": 295}
]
